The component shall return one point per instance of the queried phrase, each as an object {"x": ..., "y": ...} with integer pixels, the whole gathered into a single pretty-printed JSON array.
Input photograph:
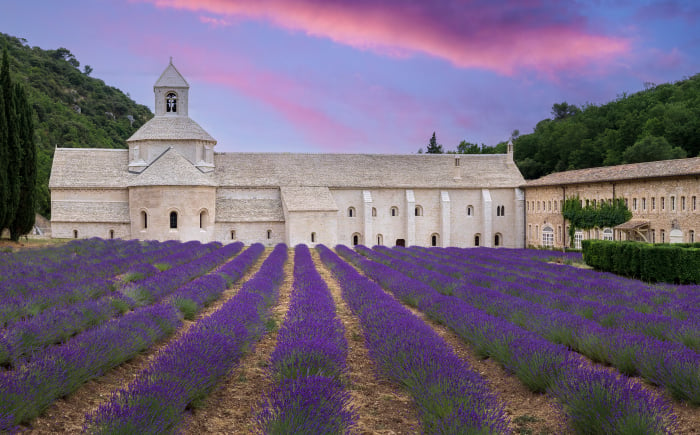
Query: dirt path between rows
[
  {"x": 67, "y": 415},
  {"x": 382, "y": 406},
  {"x": 233, "y": 406}
]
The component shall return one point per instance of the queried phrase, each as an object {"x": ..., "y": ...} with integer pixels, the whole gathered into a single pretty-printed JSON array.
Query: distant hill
[
  {"x": 658, "y": 123},
  {"x": 72, "y": 109}
]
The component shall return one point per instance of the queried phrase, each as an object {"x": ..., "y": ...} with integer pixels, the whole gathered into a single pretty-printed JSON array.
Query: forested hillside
[
  {"x": 659, "y": 123},
  {"x": 71, "y": 108}
]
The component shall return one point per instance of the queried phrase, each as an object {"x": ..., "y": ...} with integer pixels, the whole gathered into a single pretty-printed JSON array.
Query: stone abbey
[{"x": 171, "y": 184}]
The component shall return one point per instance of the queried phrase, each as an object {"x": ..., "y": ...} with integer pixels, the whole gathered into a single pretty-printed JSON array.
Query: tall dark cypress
[
  {"x": 26, "y": 209},
  {"x": 3, "y": 161},
  {"x": 13, "y": 151}
]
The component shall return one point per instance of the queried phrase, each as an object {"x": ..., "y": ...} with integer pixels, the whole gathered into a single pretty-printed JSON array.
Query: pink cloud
[
  {"x": 214, "y": 22},
  {"x": 499, "y": 36}
]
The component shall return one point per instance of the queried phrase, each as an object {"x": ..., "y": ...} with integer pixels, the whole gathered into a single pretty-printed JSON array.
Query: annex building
[
  {"x": 662, "y": 196},
  {"x": 171, "y": 184}
]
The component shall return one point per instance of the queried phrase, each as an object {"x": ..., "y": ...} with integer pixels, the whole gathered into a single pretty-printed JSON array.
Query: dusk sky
[{"x": 370, "y": 76}]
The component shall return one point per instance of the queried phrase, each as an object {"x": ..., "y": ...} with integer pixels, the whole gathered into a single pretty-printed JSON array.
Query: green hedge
[{"x": 677, "y": 263}]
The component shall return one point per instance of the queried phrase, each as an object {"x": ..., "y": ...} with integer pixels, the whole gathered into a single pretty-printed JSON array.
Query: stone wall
[{"x": 644, "y": 199}]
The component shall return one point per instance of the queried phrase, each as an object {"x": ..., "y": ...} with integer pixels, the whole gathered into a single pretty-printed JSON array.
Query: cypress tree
[
  {"x": 24, "y": 217},
  {"x": 3, "y": 161},
  {"x": 13, "y": 151}
]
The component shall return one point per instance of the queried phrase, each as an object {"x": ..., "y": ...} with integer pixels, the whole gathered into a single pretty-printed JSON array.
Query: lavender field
[{"x": 111, "y": 336}]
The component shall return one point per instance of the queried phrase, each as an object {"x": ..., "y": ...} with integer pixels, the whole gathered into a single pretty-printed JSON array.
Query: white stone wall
[
  {"x": 347, "y": 225},
  {"x": 86, "y": 230},
  {"x": 323, "y": 224},
  {"x": 251, "y": 232},
  {"x": 159, "y": 201}
]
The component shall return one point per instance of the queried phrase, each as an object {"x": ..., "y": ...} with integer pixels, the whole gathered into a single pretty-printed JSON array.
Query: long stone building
[
  {"x": 171, "y": 184},
  {"x": 662, "y": 196}
]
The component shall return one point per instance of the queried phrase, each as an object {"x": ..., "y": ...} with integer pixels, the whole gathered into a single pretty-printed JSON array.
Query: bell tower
[{"x": 171, "y": 92}]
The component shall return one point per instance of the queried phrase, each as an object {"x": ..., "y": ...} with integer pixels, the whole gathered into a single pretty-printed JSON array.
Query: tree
[
  {"x": 650, "y": 149},
  {"x": 13, "y": 150},
  {"x": 433, "y": 147},
  {"x": 87, "y": 69},
  {"x": 564, "y": 110},
  {"x": 23, "y": 221},
  {"x": 3, "y": 161},
  {"x": 465, "y": 147}
]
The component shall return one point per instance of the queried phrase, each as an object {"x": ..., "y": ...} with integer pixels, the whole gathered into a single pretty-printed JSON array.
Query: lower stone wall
[
  {"x": 250, "y": 232},
  {"x": 86, "y": 230}
]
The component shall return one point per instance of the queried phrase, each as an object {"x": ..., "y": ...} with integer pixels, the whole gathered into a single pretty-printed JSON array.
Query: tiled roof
[
  {"x": 662, "y": 168},
  {"x": 171, "y": 78},
  {"x": 366, "y": 170},
  {"x": 75, "y": 211},
  {"x": 249, "y": 210},
  {"x": 172, "y": 169},
  {"x": 89, "y": 168},
  {"x": 171, "y": 127},
  {"x": 302, "y": 198}
]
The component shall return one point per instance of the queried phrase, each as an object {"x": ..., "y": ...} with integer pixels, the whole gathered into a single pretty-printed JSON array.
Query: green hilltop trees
[{"x": 17, "y": 156}]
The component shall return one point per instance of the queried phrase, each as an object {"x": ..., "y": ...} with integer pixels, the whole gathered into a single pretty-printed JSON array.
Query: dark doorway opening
[{"x": 401, "y": 242}]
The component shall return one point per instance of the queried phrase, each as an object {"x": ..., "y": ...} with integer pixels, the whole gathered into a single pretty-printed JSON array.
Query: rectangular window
[
  {"x": 653, "y": 203},
  {"x": 673, "y": 203},
  {"x": 653, "y": 236},
  {"x": 634, "y": 204},
  {"x": 663, "y": 203},
  {"x": 548, "y": 238},
  {"x": 644, "y": 204},
  {"x": 663, "y": 236},
  {"x": 682, "y": 203},
  {"x": 694, "y": 204}
]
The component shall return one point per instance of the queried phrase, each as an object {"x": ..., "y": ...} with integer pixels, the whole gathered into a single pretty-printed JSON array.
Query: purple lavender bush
[
  {"x": 308, "y": 361},
  {"x": 189, "y": 368}
]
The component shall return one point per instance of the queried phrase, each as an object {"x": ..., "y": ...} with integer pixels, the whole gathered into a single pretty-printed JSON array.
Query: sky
[{"x": 370, "y": 76}]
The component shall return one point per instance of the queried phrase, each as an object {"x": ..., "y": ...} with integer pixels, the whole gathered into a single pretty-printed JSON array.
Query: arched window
[
  {"x": 394, "y": 211},
  {"x": 477, "y": 239},
  {"x": 434, "y": 239},
  {"x": 691, "y": 236},
  {"x": 548, "y": 236},
  {"x": 75, "y": 234},
  {"x": 313, "y": 237},
  {"x": 233, "y": 234},
  {"x": 351, "y": 211},
  {"x": 374, "y": 211},
  {"x": 171, "y": 102},
  {"x": 203, "y": 219},
  {"x": 269, "y": 234},
  {"x": 380, "y": 239},
  {"x": 173, "y": 220},
  {"x": 111, "y": 234},
  {"x": 419, "y": 210},
  {"x": 144, "y": 220},
  {"x": 607, "y": 234},
  {"x": 355, "y": 239},
  {"x": 470, "y": 210},
  {"x": 497, "y": 239}
]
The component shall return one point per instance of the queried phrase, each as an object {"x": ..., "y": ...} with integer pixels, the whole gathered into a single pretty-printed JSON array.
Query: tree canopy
[
  {"x": 71, "y": 109},
  {"x": 602, "y": 214},
  {"x": 654, "y": 124}
]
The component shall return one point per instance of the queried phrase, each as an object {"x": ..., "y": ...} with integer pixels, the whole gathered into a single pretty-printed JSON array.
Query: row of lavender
[
  {"x": 27, "y": 338},
  {"x": 58, "y": 370},
  {"x": 450, "y": 396},
  {"x": 309, "y": 361},
  {"x": 185, "y": 371},
  {"x": 665, "y": 363},
  {"x": 25, "y": 297},
  {"x": 593, "y": 400},
  {"x": 671, "y": 300},
  {"x": 562, "y": 295}
]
